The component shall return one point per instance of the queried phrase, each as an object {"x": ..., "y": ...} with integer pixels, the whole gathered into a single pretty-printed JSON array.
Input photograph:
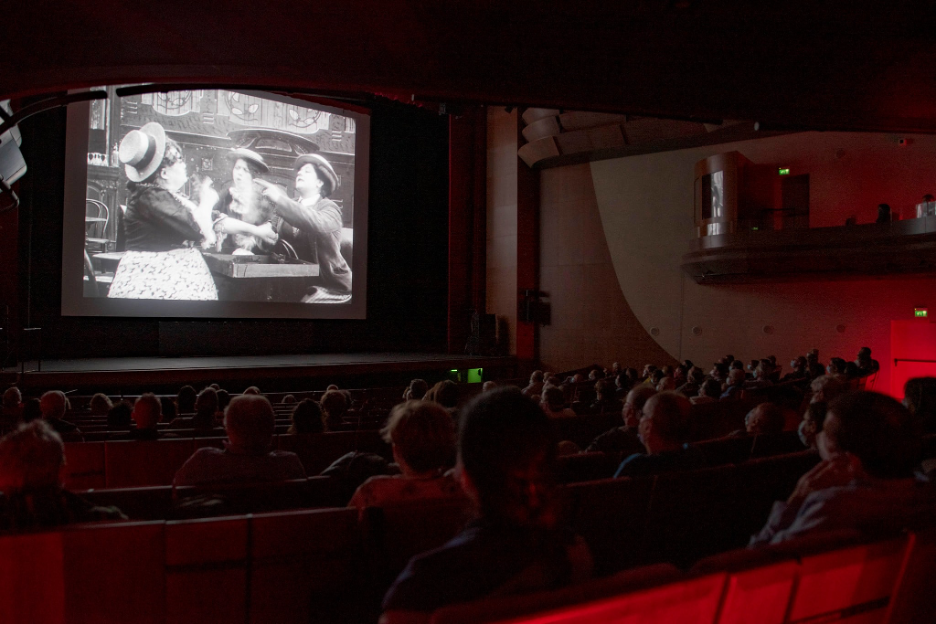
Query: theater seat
[
  {"x": 84, "y": 465},
  {"x": 114, "y": 573},
  {"x": 913, "y": 601},
  {"x": 303, "y": 566},
  {"x": 32, "y": 586},
  {"x": 136, "y": 463},
  {"x": 206, "y": 570}
]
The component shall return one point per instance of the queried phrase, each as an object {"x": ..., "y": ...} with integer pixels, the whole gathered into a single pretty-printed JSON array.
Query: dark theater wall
[{"x": 407, "y": 271}]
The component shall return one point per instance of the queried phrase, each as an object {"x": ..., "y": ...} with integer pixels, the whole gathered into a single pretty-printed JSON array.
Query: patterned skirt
[{"x": 177, "y": 275}]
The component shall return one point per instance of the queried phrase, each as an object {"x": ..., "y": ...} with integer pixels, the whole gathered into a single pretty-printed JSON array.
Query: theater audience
[
  {"x": 53, "y": 405},
  {"x": 553, "y": 404},
  {"x": 489, "y": 385},
  {"x": 798, "y": 370},
  {"x": 422, "y": 437},
  {"x": 32, "y": 463},
  {"x": 249, "y": 422},
  {"x": 811, "y": 425},
  {"x": 814, "y": 367},
  {"x": 663, "y": 429},
  {"x": 445, "y": 393},
  {"x": 624, "y": 440},
  {"x": 694, "y": 381},
  {"x": 256, "y": 391},
  {"x": 709, "y": 392},
  {"x": 334, "y": 404},
  {"x": 507, "y": 454},
  {"x": 836, "y": 366},
  {"x": 289, "y": 399},
  {"x": 306, "y": 418},
  {"x": 224, "y": 398},
  {"x": 206, "y": 413},
  {"x": 762, "y": 372},
  {"x": 869, "y": 446}
]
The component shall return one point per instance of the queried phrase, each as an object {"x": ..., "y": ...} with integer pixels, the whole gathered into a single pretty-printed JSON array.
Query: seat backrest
[
  {"x": 136, "y": 463},
  {"x": 396, "y": 533},
  {"x": 913, "y": 599},
  {"x": 690, "y": 516},
  {"x": 318, "y": 450},
  {"x": 303, "y": 565},
  {"x": 142, "y": 503},
  {"x": 115, "y": 573},
  {"x": 722, "y": 451},
  {"x": 587, "y": 467},
  {"x": 84, "y": 465},
  {"x": 206, "y": 570},
  {"x": 32, "y": 580},
  {"x": 771, "y": 444},
  {"x": 854, "y": 579},
  {"x": 610, "y": 515}
]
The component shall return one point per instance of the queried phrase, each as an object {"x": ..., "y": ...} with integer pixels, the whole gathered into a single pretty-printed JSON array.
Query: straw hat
[
  {"x": 325, "y": 171},
  {"x": 141, "y": 151},
  {"x": 249, "y": 156}
]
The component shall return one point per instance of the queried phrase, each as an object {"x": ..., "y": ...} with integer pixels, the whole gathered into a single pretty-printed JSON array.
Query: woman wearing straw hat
[
  {"x": 242, "y": 217},
  {"x": 317, "y": 220},
  {"x": 160, "y": 221}
]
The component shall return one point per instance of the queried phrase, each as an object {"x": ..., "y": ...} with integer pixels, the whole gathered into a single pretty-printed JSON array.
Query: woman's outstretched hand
[{"x": 272, "y": 192}]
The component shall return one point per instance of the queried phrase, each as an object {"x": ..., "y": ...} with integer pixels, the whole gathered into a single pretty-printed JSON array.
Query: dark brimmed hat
[
  {"x": 249, "y": 156},
  {"x": 325, "y": 171},
  {"x": 141, "y": 151}
]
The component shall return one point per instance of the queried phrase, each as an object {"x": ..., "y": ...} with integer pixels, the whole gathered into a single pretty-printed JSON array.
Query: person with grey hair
[
  {"x": 147, "y": 411},
  {"x": 11, "y": 410},
  {"x": 250, "y": 422},
  {"x": 624, "y": 439},
  {"x": 53, "y": 405},
  {"x": 735, "y": 385},
  {"x": 663, "y": 429},
  {"x": 765, "y": 418},
  {"x": 827, "y": 387},
  {"x": 32, "y": 462}
]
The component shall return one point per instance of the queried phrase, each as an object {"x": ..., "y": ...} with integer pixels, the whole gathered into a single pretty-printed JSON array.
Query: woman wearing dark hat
[
  {"x": 242, "y": 216},
  {"x": 160, "y": 221},
  {"x": 317, "y": 220}
]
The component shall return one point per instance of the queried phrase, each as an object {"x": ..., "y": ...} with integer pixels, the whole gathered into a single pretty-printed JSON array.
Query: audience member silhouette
[{"x": 663, "y": 429}]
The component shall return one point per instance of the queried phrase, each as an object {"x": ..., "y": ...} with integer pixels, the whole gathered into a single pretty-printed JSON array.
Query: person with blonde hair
[
  {"x": 422, "y": 436},
  {"x": 32, "y": 465}
]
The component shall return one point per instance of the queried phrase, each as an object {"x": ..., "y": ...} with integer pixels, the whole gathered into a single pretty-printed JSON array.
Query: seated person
[
  {"x": 799, "y": 370},
  {"x": 827, "y": 387},
  {"x": 812, "y": 423},
  {"x": 695, "y": 379},
  {"x": 53, "y": 405},
  {"x": 735, "y": 385},
  {"x": 762, "y": 373},
  {"x": 185, "y": 401},
  {"x": 663, "y": 430},
  {"x": 624, "y": 440},
  {"x": 445, "y": 393},
  {"x": 250, "y": 422},
  {"x": 553, "y": 403},
  {"x": 536, "y": 384},
  {"x": 866, "y": 365},
  {"x": 11, "y": 410},
  {"x": 119, "y": 417},
  {"x": 422, "y": 436},
  {"x": 870, "y": 447},
  {"x": 100, "y": 404},
  {"x": 416, "y": 390},
  {"x": 506, "y": 464},
  {"x": 605, "y": 397},
  {"x": 32, "y": 464},
  {"x": 206, "y": 412},
  {"x": 814, "y": 367},
  {"x": 765, "y": 418},
  {"x": 147, "y": 412},
  {"x": 709, "y": 392},
  {"x": 836, "y": 366},
  {"x": 920, "y": 399},
  {"x": 334, "y": 404},
  {"x": 306, "y": 418}
]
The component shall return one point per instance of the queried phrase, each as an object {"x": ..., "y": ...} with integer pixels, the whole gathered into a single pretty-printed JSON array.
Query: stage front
[{"x": 273, "y": 373}]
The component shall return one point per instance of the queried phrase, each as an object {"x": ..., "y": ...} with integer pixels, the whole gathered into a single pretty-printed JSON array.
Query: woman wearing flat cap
[
  {"x": 242, "y": 218},
  {"x": 162, "y": 224},
  {"x": 316, "y": 220}
]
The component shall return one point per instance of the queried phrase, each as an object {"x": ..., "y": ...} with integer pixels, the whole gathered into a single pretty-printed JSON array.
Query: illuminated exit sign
[
  {"x": 920, "y": 312},
  {"x": 783, "y": 171}
]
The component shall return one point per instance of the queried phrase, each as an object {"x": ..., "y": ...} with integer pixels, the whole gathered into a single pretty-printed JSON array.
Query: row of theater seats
[
  {"x": 831, "y": 579},
  {"x": 121, "y": 464},
  {"x": 333, "y": 565},
  {"x": 678, "y": 517}
]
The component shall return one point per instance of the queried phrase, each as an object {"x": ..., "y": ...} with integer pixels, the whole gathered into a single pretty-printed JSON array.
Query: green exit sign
[
  {"x": 920, "y": 312},
  {"x": 783, "y": 171}
]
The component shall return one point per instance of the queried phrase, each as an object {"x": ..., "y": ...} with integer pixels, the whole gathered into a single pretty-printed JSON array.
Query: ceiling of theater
[{"x": 799, "y": 64}]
